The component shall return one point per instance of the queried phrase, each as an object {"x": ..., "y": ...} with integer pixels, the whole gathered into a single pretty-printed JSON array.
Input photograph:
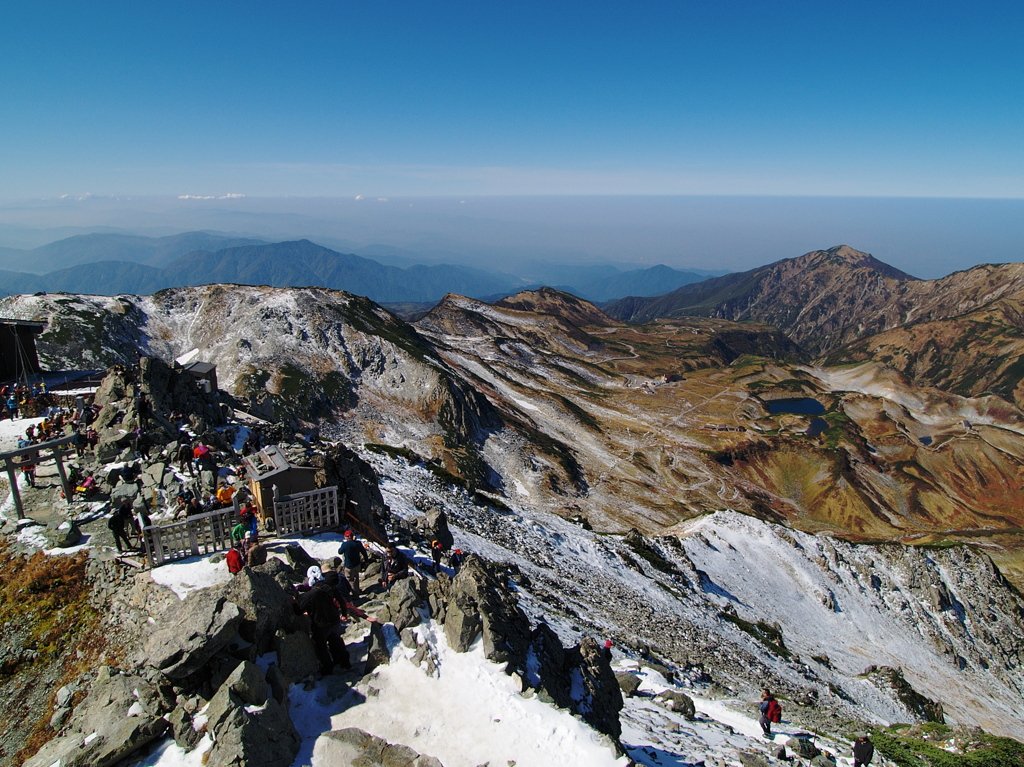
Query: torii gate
[{"x": 53, "y": 446}]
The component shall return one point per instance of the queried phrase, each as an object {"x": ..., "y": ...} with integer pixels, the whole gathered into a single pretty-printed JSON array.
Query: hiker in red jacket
[{"x": 771, "y": 712}]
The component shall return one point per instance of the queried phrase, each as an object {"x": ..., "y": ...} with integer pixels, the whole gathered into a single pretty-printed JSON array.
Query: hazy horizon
[{"x": 925, "y": 237}]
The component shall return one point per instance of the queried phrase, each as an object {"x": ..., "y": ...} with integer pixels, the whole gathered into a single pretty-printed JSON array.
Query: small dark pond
[
  {"x": 818, "y": 425},
  {"x": 926, "y": 441},
  {"x": 798, "y": 405}
]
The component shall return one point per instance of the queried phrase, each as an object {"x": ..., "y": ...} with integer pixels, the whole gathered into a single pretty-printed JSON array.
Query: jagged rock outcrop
[
  {"x": 265, "y": 607},
  {"x": 595, "y": 692},
  {"x": 478, "y": 602},
  {"x": 357, "y": 480},
  {"x": 143, "y": 395},
  {"x": 120, "y": 715},
  {"x": 433, "y": 526},
  {"x": 191, "y": 633},
  {"x": 918, "y": 705},
  {"x": 248, "y": 726},
  {"x": 356, "y": 747}
]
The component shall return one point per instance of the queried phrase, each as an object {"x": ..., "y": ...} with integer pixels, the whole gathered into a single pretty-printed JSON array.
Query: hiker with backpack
[
  {"x": 353, "y": 555},
  {"x": 320, "y": 602},
  {"x": 771, "y": 712}
]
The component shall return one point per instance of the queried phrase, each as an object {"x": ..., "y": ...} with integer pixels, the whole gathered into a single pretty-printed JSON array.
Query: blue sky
[{"x": 486, "y": 98}]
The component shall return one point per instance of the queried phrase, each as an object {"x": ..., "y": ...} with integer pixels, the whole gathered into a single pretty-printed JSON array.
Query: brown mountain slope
[
  {"x": 550, "y": 301},
  {"x": 827, "y": 299},
  {"x": 821, "y": 299},
  {"x": 973, "y": 354}
]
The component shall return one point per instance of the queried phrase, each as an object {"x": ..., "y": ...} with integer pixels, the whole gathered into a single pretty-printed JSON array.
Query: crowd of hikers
[
  {"x": 56, "y": 423},
  {"x": 23, "y": 400},
  {"x": 331, "y": 594}
]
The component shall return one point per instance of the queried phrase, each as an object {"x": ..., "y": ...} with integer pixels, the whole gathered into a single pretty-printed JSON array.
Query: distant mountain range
[
  {"x": 91, "y": 248},
  {"x": 112, "y": 264}
]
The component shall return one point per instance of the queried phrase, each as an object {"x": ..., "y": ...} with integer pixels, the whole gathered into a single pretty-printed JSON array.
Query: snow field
[{"x": 467, "y": 714}]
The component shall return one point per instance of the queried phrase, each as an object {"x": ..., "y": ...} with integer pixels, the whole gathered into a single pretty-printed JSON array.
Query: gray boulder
[
  {"x": 64, "y": 536},
  {"x": 248, "y": 683},
  {"x": 353, "y": 746},
  {"x": 296, "y": 655},
  {"x": 264, "y": 736},
  {"x": 479, "y": 602},
  {"x": 376, "y": 649},
  {"x": 185, "y": 734},
  {"x": 119, "y": 716},
  {"x": 433, "y": 526},
  {"x": 823, "y": 760},
  {"x": 248, "y": 727},
  {"x": 802, "y": 747},
  {"x": 283, "y": 573},
  {"x": 678, "y": 702},
  {"x": 265, "y": 605},
  {"x": 401, "y": 605},
  {"x": 190, "y": 633},
  {"x": 299, "y": 559},
  {"x": 628, "y": 683},
  {"x": 751, "y": 759},
  {"x": 126, "y": 491}
]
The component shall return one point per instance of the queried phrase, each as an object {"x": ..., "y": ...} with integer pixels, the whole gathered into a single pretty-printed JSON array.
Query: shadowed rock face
[{"x": 192, "y": 633}]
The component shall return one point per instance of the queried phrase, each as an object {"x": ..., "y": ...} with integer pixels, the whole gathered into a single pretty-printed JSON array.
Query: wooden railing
[
  {"x": 199, "y": 534},
  {"x": 307, "y": 512},
  {"x": 211, "y": 532}
]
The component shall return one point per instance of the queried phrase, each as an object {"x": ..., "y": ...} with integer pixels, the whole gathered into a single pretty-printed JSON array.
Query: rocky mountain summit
[{"x": 829, "y": 298}]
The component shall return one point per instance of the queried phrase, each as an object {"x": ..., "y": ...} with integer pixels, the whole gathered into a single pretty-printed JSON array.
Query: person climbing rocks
[
  {"x": 863, "y": 751},
  {"x": 353, "y": 555},
  {"x": 117, "y": 524},
  {"x": 771, "y": 712},
  {"x": 436, "y": 553},
  {"x": 185, "y": 458},
  {"x": 456, "y": 559},
  {"x": 320, "y": 603},
  {"x": 394, "y": 567}
]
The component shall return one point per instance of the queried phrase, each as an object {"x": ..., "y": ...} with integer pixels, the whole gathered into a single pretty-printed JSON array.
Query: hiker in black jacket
[
  {"x": 394, "y": 566},
  {"x": 320, "y": 603},
  {"x": 863, "y": 751},
  {"x": 118, "y": 524}
]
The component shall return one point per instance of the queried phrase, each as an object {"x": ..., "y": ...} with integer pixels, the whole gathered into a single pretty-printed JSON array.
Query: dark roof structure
[{"x": 18, "y": 358}]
